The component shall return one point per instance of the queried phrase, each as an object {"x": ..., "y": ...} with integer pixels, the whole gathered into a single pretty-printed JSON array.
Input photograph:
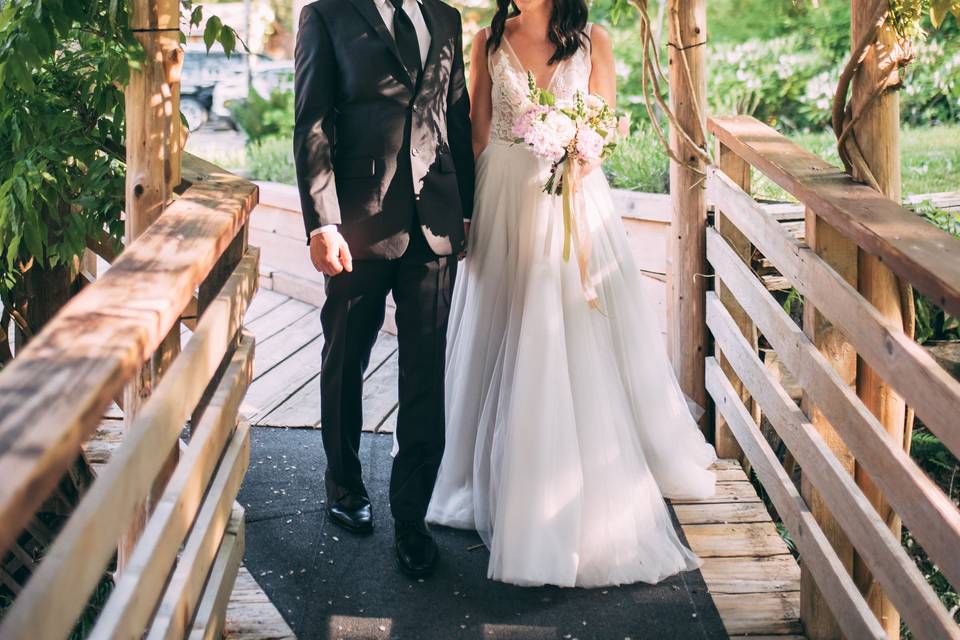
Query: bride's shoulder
[{"x": 601, "y": 46}]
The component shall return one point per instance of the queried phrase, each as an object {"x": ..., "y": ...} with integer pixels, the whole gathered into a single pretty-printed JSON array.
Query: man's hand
[
  {"x": 466, "y": 239},
  {"x": 329, "y": 253}
]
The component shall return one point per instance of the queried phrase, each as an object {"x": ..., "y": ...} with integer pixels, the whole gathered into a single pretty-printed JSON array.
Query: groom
[{"x": 385, "y": 169}]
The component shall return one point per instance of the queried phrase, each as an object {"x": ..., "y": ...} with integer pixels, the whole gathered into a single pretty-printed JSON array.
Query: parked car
[{"x": 210, "y": 80}]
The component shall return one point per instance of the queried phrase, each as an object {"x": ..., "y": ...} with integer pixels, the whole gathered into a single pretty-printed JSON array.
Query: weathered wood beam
[{"x": 686, "y": 328}]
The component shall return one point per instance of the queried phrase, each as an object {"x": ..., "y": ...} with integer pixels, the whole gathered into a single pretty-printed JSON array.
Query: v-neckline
[{"x": 516, "y": 58}]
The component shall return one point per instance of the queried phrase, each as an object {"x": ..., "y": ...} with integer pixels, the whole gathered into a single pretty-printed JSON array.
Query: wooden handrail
[
  {"x": 53, "y": 394},
  {"x": 835, "y": 437},
  {"x": 917, "y": 251}
]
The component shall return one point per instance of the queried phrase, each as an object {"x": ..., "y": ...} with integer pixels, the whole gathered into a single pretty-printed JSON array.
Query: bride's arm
[
  {"x": 481, "y": 106},
  {"x": 603, "y": 77}
]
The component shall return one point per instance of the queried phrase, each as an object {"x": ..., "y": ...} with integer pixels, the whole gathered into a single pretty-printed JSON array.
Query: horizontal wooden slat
[
  {"x": 844, "y": 599},
  {"x": 926, "y": 509},
  {"x": 760, "y": 614},
  {"x": 720, "y": 513},
  {"x": 75, "y": 562},
  {"x": 752, "y": 539},
  {"x": 185, "y": 587},
  {"x": 136, "y": 593},
  {"x": 914, "y": 249},
  {"x": 208, "y": 623},
  {"x": 726, "y": 492},
  {"x": 99, "y": 340},
  {"x": 904, "y": 364},
  {"x": 751, "y": 575},
  {"x": 882, "y": 552}
]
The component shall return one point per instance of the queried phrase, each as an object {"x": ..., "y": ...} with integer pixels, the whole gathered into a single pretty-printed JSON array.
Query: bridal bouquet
[{"x": 570, "y": 134}]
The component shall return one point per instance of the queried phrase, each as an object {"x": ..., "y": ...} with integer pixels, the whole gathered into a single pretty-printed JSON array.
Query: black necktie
[{"x": 406, "y": 36}]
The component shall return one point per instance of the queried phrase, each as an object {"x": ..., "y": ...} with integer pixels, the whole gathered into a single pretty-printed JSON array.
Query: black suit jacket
[{"x": 373, "y": 151}]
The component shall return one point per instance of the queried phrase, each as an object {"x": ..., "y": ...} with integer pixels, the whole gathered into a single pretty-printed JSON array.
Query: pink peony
[
  {"x": 589, "y": 144},
  {"x": 522, "y": 126},
  {"x": 550, "y": 135}
]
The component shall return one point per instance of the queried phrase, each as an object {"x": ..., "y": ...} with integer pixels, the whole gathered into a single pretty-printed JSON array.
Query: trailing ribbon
[{"x": 576, "y": 230}]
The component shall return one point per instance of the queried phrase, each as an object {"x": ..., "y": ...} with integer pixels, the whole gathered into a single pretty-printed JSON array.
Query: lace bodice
[{"x": 509, "y": 85}]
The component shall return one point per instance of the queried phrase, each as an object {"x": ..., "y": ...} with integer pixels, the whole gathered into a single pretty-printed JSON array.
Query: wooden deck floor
[
  {"x": 286, "y": 385},
  {"x": 751, "y": 575}
]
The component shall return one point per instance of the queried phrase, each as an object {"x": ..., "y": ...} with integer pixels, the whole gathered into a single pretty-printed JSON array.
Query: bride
[{"x": 565, "y": 424}]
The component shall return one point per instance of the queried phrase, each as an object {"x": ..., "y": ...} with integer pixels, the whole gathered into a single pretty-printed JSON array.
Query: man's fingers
[{"x": 345, "y": 258}]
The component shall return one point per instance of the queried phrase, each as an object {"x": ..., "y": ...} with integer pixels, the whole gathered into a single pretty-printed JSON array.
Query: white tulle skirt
[{"x": 565, "y": 425}]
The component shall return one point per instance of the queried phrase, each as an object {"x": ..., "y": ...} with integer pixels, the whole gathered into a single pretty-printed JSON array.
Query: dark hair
[{"x": 566, "y": 30}]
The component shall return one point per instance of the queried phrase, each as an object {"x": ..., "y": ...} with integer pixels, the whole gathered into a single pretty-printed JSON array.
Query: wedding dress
[{"x": 566, "y": 426}]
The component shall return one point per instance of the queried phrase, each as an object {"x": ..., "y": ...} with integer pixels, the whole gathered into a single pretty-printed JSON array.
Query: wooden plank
[
  {"x": 98, "y": 340},
  {"x": 138, "y": 588},
  {"x": 840, "y": 592},
  {"x": 278, "y": 319},
  {"x": 931, "y": 515},
  {"x": 751, "y": 539},
  {"x": 302, "y": 409},
  {"x": 726, "y": 492},
  {"x": 914, "y": 249},
  {"x": 906, "y": 365},
  {"x": 760, "y": 614},
  {"x": 75, "y": 562},
  {"x": 281, "y": 382},
  {"x": 262, "y": 303},
  {"x": 282, "y": 345},
  {"x": 720, "y": 513},
  {"x": 251, "y": 615},
  {"x": 751, "y": 574},
  {"x": 209, "y": 621},
  {"x": 185, "y": 587},
  {"x": 738, "y": 172},
  {"x": 875, "y": 543},
  {"x": 841, "y": 254}
]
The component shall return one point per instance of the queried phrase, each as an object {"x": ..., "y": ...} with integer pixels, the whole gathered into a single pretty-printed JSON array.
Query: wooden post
[
  {"x": 686, "y": 324},
  {"x": 739, "y": 171},
  {"x": 878, "y": 134},
  {"x": 841, "y": 254},
  {"x": 154, "y": 150}
]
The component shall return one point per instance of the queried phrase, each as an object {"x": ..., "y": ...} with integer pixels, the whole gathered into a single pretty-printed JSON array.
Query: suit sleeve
[
  {"x": 458, "y": 127},
  {"x": 315, "y": 85}
]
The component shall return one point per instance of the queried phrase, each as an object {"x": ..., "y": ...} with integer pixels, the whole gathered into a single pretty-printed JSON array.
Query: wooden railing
[
  {"x": 194, "y": 261},
  {"x": 834, "y": 428}
]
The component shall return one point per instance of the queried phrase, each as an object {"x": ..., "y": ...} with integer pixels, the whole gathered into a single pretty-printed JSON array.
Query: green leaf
[
  {"x": 196, "y": 16},
  {"x": 228, "y": 39},
  {"x": 938, "y": 11},
  {"x": 212, "y": 31}
]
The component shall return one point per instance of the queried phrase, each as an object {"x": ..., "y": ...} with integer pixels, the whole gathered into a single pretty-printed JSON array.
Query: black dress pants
[{"x": 422, "y": 284}]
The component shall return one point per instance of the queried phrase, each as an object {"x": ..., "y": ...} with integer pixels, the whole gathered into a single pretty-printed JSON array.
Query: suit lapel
[
  {"x": 369, "y": 11},
  {"x": 437, "y": 38}
]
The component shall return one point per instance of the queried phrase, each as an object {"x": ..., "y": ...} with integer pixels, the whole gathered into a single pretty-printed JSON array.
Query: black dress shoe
[
  {"x": 417, "y": 553},
  {"x": 353, "y": 514}
]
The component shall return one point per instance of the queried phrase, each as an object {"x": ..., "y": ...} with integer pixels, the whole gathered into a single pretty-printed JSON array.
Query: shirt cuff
[{"x": 323, "y": 229}]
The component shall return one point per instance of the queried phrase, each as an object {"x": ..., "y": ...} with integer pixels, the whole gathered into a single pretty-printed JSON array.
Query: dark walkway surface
[{"x": 330, "y": 585}]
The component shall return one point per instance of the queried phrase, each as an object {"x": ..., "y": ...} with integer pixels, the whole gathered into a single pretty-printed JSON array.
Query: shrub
[
  {"x": 271, "y": 159},
  {"x": 260, "y": 117},
  {"x": 639, "y": 162}
]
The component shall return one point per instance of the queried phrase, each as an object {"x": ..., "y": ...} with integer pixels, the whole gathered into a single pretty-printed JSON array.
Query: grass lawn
[{"x": 930, "y": 158}]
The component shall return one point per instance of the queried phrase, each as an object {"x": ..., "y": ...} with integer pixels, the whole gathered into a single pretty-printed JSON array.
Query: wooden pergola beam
[{"x": 686, "y": 255}]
